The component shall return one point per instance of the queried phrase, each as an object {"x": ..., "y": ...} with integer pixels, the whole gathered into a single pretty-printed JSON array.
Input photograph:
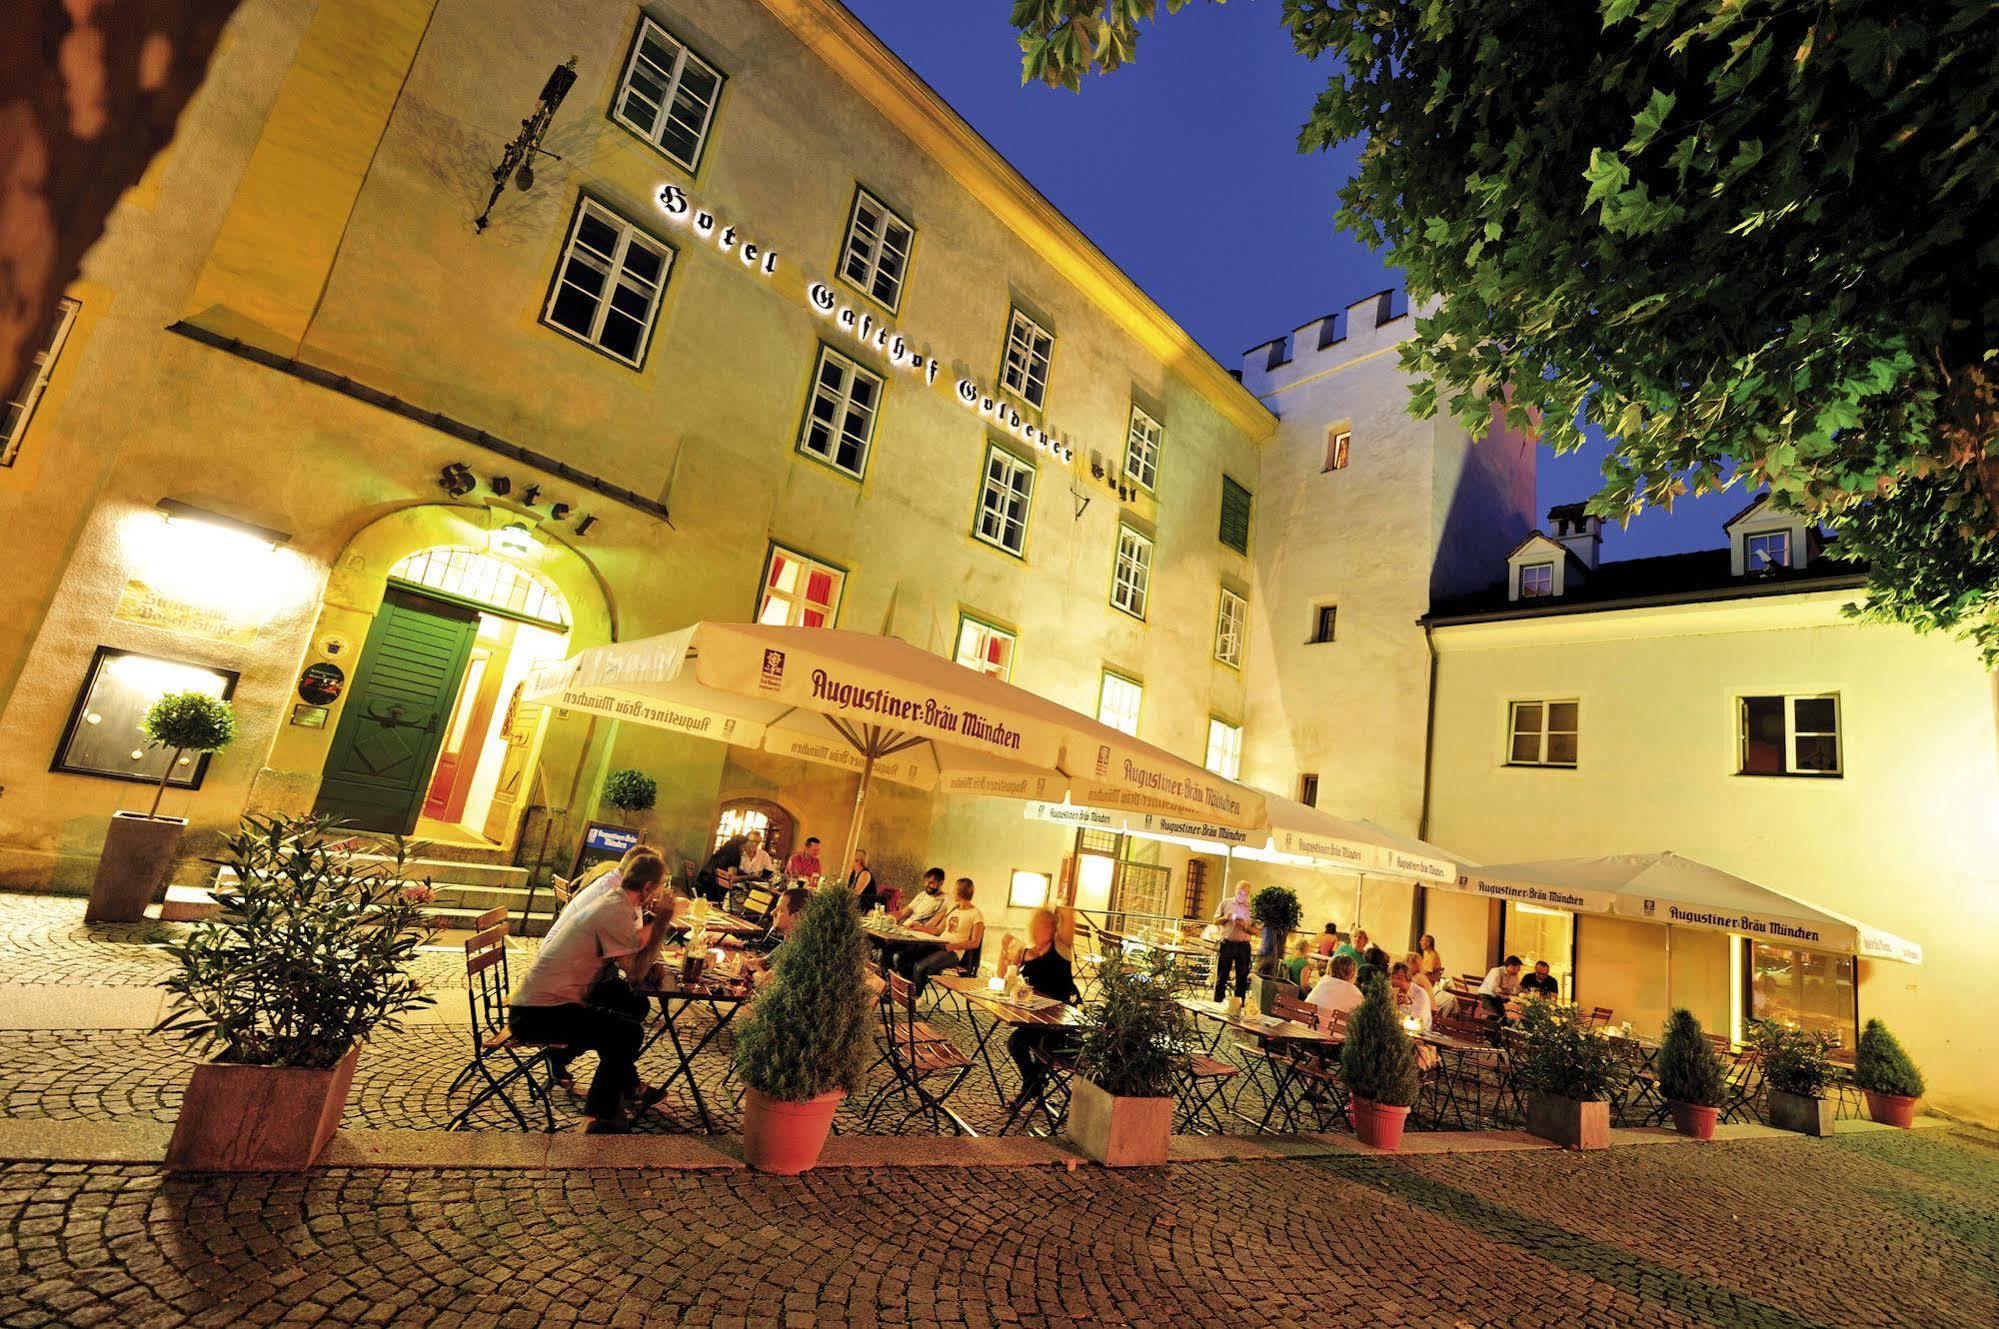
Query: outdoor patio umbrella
[
  {"x": 1669, "y": 889},
  {"x": 881, "y": 707}
]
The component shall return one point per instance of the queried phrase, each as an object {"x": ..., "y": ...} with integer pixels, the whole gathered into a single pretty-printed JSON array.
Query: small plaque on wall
[{"x": 309, "y": 717}]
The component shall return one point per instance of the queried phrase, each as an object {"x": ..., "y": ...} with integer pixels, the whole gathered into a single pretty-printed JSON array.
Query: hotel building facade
[{"x": 762, "y": 330}]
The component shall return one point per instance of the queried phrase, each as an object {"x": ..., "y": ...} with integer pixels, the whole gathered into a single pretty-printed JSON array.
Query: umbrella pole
[{"x": 860, "y": 802}]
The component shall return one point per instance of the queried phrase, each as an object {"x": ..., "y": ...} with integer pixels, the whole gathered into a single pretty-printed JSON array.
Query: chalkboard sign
[{"x": 603, "y": 842}]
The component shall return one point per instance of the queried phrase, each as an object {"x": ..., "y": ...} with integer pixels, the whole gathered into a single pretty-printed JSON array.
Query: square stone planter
[
  {"x": 1119, "y": 1132},
  {"x": 132, "y": 870},
  {"x": 258, "y": 1118},
  {"x": 1796, "y": 1112},
  {"x": 1573, "y": 1123}
]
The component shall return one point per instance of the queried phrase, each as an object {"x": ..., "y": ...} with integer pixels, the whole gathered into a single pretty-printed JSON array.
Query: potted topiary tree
[
  {"x": 1378, "y": 1064},
  {"x": 1276, "y": 910},
  {"x": 1886, "y": 1075},
  {"x": 1121, "y": 1099},
  {"x": 1569, "y": 1068},
  {"x": 140, "y": 847},
  {"x": 1795, "y": 1070},
  {"x": 631, "y": 792},
  {"x": 802, "y": 1046},
  {"x": 309, "y": 955},
  {"x": 1690, "y": 1076}
]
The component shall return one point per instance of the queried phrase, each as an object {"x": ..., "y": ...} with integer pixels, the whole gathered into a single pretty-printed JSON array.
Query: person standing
[
  {"x": 1232, "y": 953},
  {"x": 723, "y": 869},
  {"x": 757, "y": 861},
  {"x": 573, "y": 994}
]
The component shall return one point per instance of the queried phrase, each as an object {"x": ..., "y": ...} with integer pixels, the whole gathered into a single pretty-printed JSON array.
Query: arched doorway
[
  {"x": 740, "y": 816},
  {"x": 432, "y": 736}
]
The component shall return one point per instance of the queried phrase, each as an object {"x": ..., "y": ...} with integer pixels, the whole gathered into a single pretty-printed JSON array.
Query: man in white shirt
[
  {"x": 1335, "y": 994},
  {"x": 1502, "y": 984},
  {"x": 605, "y": 877},
  {"x": 925, "y": 912},
  {"x": 1412, "y": 1000},
  {"x": 562, "y": 1001},
  {"x": 958, "y": 936}
]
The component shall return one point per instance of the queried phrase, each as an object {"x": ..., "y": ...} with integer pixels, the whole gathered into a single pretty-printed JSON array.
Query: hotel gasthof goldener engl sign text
[{"x": 860, "y": 325}]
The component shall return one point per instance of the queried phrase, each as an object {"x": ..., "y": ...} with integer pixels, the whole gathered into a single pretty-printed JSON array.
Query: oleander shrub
[
  {"x": 309, "y": 954},
  {"x": 1794, "y": 1059},
  {"x": 1564, "y": 1054},
  {"x": 1139, "y": 1041}
]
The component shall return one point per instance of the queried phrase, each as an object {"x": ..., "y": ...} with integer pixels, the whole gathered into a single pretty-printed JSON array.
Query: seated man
[
  {"x": 1336, "y": 994},
  {"x": 570, "y": 995},
  {"x": 757, "y": 861},
  {"x": 1412, "y": 999},
  {"x": 805, "y": 863},
  {"x": 1328, "y": 942},
  {"x": 924, "y": 913},
  {"x": 1541, "y": 982},
  {"x": 1502, "y": 983},
  {"x": 958, "y": 933},
  {"x": 604, "y": 877}
]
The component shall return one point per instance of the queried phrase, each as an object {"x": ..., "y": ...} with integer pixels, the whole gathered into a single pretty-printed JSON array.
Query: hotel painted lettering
[{"x": 860, "y": 325}]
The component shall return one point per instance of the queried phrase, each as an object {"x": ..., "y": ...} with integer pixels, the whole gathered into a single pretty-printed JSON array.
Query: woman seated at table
[
  {"x": 1047, "y": 973},
  {"x": 1412, "y": 999}
]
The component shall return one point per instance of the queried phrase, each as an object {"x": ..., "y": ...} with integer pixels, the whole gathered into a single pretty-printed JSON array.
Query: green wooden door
[{"x": 395, "y": 715}]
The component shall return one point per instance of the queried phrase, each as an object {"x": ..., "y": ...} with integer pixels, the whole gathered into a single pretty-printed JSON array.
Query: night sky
[{"x": 1183, "y": 168}]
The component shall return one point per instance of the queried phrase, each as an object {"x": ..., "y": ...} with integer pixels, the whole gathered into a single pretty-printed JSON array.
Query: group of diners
[
  {"x": 743, "y": 858},
  {"x": 953, "y": 930},
  {"x": 1351, "y": 962}
]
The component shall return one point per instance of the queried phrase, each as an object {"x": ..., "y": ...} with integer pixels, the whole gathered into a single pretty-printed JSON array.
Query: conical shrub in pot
[
  {"x": 1887, "y": 1076},
  {"x": 802, "y": 1046},
  {"x": 1690, "y": 1075},
  {"x": 1378, "y": 1064}
]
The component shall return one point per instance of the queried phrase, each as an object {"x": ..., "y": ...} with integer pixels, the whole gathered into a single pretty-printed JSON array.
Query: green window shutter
[{"x": 1235, "y": 516}]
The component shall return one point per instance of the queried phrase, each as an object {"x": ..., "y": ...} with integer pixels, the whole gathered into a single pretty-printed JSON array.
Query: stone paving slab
[
  {"x": 68, "y": 1006},
  {"x": 1878, "y": 1228}
]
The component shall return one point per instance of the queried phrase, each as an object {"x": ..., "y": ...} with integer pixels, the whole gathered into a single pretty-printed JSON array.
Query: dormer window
[
  {"x": 1766, "y": 552},
  {"x": 1537, "y": 581}
]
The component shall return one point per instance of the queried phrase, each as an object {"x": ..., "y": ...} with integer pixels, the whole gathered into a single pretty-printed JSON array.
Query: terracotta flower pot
[
  {"x": 1377, "y": 1124},
  {"x": 1573, "y": 1123},
  {"x": 1119, "y": 1132},
  {"x": 1891, "y": 1109},
  {"x": 133, "y": 868},
  {"x": 258, "y": 1118},
  {"x": 1694, "y": 1119},
  {"x": 786, "y": 1137}
]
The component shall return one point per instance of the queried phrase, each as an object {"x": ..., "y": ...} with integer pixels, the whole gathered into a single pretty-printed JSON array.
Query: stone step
[
  {"x": 442, "y": 872},
  {"x": 456, "y": 922},
  {"x": 479, "y": 898},
  {"x": 186, "y": 904}
]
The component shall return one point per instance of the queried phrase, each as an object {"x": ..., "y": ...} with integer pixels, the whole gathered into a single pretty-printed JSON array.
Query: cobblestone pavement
[
  {"x": 1881, "y": 1229},
  {"x": 44, "y": 940}
]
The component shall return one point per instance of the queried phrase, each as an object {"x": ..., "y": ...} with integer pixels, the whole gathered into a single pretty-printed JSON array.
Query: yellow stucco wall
[{"x": 1907, "y": 839}]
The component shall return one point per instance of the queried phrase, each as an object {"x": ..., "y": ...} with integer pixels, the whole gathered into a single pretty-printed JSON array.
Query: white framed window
[
  {"x": 876, "y": 255},
  {"x": 986, "y": 648},
  {"x": 1230, "y": 620},
  {"x": 1024, "y": 371},
  {"x": 1141, "y": 450},
  {"x": 1131, "y": 578},
  {"x": 1119, "y": 700},
  {"x": 608, "y": 284},
  {"x": 840, "y": 419},
  {"x": 1537, "y": 580},
  {"x": 1006, "y": 495},
  {"x": 1543, "y": 733},
  {"x": 1339, "y": 440},
  {"x": 15, "y": 415},
  {"x": 668, "y": 94},
  {"x": 1766, "y": 551},
  {"x": 799, "y": 591},
  {"x": 1224, "y": 748},
  {"x": 1789, "y": 735}
]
